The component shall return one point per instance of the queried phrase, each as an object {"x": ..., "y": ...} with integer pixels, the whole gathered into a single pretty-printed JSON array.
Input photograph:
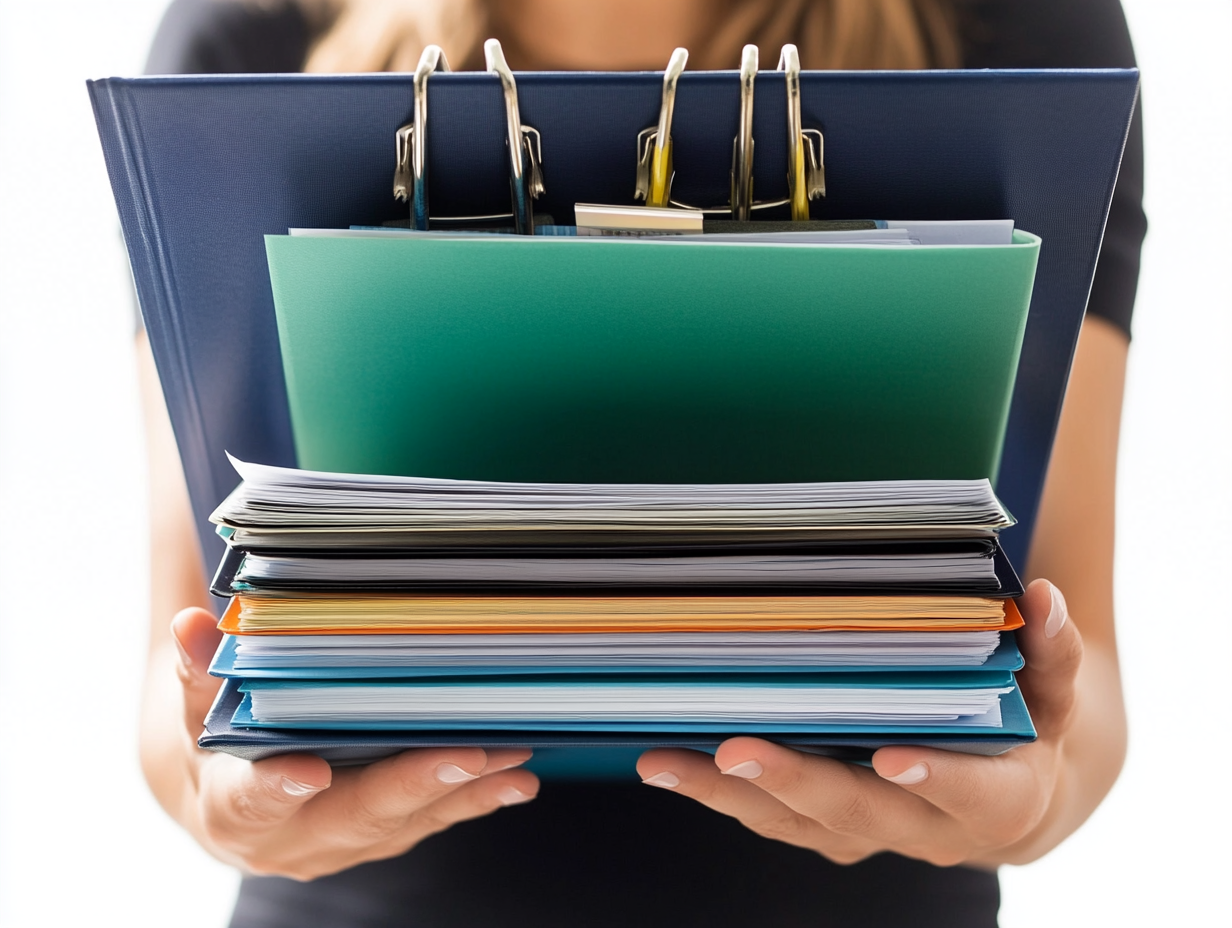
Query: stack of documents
[
  {"x": 612, "y": 358},
  {"x": 429, "y": 611}
]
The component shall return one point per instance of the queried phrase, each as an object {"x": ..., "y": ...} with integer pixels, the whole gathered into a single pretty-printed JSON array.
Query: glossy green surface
[{"x": 580, "y": 360}]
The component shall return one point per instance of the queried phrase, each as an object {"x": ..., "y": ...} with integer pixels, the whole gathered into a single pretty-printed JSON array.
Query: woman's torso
[{"x": 604, "y": 854}]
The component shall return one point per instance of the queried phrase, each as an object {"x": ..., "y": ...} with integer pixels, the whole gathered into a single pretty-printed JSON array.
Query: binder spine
[{"x": 120, "y": 133}]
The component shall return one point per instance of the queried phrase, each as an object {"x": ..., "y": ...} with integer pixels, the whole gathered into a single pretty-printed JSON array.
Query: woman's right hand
[{"x": 294, "y": 815}]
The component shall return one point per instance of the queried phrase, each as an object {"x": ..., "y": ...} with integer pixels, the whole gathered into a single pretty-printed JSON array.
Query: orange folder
[{"x": 426, "y": 614}]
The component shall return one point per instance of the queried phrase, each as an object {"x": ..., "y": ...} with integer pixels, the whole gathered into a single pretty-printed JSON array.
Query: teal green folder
[{"x": 624, "y": 361}]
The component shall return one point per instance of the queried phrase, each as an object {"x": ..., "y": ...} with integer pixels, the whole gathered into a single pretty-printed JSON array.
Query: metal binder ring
[
  {"x": 654, "y": 155},
  {"x": 806, "y": 178},
  {"x": 526, "y": 153},
  {"x": 654, "y": 145},
  {"x": 411, "y": 173},
  {"x": 742, "y": 153},
  {"x": 525, "y": 173}
]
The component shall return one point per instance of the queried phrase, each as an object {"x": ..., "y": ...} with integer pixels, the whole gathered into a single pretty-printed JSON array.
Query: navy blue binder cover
[{"x": 203, "y": 167}]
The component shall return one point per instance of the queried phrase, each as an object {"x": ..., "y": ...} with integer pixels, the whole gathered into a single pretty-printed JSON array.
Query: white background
[{"x": 82, "y": 843}]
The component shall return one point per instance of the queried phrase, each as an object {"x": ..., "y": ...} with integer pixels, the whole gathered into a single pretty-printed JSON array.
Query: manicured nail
[
  {"x": 506, "y": 766},
  {"x": 511, "y": 796},
  {"x": 666, "y": 779},
  {"x": 185, "y": 657},
  {"x": 297, "y": 789},
  {"x": 1059, "y": 614},
  {"x": 749, "y": 770},
  {"x": 452, "y": 773},
  {"x": 916, "y": 773}
]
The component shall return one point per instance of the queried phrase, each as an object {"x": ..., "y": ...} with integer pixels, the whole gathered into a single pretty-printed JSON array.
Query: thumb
[
  {"x": 1052, "y": 648},
  {"x": 196, "y": 638}
]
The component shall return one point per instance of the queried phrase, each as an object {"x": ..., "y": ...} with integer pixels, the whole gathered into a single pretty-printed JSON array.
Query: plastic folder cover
[
  {"x": 608, "y": 755},
  {"x": 1006, "y": 657},
  {"x": 616, "y": 361}
]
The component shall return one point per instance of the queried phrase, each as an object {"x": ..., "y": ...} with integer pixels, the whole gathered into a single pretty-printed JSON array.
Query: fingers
[
  {"x": 240, "y": 802},
  {"x": 1052, "y": 648},
  {"x": 392, "y": 789},
  {"x": 844, "y": 798},
  {"x": 995, "y": 800},
  {"x": 380, "y": 800},
  {"x": 471, "y": 800},
  {"x": 695, "y": 775},
  {"x": 935, "y": 805},
  {"x": 196, "y": 636},
  {"x": 293, "y": 816},
  {"x": 388, "y": 807}
]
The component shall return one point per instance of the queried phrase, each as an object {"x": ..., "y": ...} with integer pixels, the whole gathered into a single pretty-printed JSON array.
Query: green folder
[{"x": 626, "y": 361}]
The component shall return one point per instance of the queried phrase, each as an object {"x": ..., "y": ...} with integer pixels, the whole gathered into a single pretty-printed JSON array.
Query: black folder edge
[
  {"x": 562, "y": 755},
  {"x": 223, "y": 584}
]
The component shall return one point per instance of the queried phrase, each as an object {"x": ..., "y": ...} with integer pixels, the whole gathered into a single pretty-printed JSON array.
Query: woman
[{"x": 800, "y": 840}]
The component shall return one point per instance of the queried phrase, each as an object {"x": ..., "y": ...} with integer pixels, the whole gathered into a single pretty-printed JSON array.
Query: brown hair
[
  {"x": 388, "y": 35},
  {"x": 853, "y": 35}
]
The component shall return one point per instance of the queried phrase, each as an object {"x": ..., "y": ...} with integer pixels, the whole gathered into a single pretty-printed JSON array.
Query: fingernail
[
  {"x": 185, "y": 658},
  {"x": 507, "y": 766},
  {"x": 750, "y": 770},
  {"x": 666, "y": 780},
  {"x": 297, "y": 789},
  {"x": 1058, "y": 615},
  {"x": 511, "y": 796},
  {"x": 916, "y": 773},
  {"x": 452, "y": 773}
]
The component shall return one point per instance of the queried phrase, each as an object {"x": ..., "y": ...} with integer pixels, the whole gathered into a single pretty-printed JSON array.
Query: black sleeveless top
[{"x": 602, "y": 854}]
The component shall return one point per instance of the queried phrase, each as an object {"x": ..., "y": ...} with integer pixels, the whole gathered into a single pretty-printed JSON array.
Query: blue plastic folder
[
  {"x": 607, "y": 754},
  {"x": 663, "y": 725}
]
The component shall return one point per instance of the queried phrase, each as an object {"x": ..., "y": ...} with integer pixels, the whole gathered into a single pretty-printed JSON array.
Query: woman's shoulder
[
  {"x": 230, "y": 37},
  {"x": 1073, "y": 34},
  {"x": 1044, "y": 34}
]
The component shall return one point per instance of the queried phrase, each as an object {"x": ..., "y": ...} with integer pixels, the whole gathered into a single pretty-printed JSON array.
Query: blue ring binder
[{"x": 203, "y": 167}]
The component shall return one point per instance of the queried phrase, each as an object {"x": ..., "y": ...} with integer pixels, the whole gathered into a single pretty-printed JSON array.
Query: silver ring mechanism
[
  {"x": 525, "y": 153},
  {"x": 655, "y": 170},
  {"x": 806, "y": 178},
  {"x": 411, "y": 144},
  {"x": 411, "y": 172},
  {"x": 742, "y": 145}
]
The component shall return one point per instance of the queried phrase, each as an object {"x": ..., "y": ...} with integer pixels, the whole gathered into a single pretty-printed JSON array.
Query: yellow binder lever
[
  {"x": 654, "y": 155},
  {"x": 806, "y": 173}
]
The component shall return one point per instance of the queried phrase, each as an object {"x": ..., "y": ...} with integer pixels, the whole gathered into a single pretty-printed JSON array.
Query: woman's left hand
[{"x": 937, "y": 806}]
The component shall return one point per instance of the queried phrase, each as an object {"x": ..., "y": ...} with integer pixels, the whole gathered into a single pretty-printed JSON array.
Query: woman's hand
[
  {"x": 295, "y": 816},
  {"x": 938, "y": 806}
]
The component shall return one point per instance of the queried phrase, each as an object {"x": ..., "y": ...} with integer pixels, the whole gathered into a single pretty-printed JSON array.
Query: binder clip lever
[
  {"x": 525, "y": 158},
  {"x": 742, "y": 145},
  {"x": 654, "y": 144},
  {"x": 806, "y": 176},
  {"x": 806, "y": 173},
  {"x": 411, "y": 147},
  {"x": 411, "y": 172}
]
